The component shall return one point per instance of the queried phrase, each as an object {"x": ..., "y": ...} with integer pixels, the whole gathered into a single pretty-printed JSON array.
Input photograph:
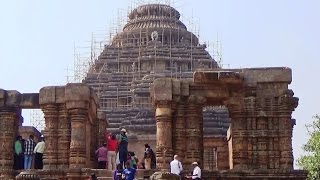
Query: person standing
[
  {"x": 176, "y": 166},
  {"x": 149, "y": 157},
  {"x": 28, "y": 153},
  {"x": 18, "y": 154},
  {"x": 196, "y": 174},
  {"x": 112, "y": 154},
  {"x": 123, "y": 147},
  {"x": 102, "y": 154},
  {"x": 38, "y": 151},
  {"x": 117, "y": 174}
]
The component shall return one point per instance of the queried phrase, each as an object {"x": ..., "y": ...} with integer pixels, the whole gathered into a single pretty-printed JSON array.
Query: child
[{"x": 117, "y": 175}]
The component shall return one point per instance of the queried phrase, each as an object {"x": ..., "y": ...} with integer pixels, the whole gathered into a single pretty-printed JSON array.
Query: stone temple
[
  {"x": 159, "y": 83},
  {"x": 154, "y": 44}
]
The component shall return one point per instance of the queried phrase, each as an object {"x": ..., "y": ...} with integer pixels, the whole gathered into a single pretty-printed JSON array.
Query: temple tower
[{"x": 154, "y": 43}]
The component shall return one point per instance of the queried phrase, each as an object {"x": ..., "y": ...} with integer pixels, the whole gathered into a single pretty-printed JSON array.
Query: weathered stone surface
[
  {"x": 218, "y": 76},
  {"x": 47, "y": 95},
  {"x": 265, "y": 75},
  {"x": 30, "y": 101},
  {"x": 162, "y": 90},
  {"x": 164, "y": 176},
  {"x": 13, "y": 98}
]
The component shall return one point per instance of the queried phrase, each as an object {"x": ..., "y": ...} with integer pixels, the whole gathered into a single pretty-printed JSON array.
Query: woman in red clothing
[{"x": 112, "y": 148}]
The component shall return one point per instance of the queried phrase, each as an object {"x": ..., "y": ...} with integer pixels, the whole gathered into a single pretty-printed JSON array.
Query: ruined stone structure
[
  {"x": 74, "y": 127},
  {"x": 236, "y": 123},
  {"x": 260, "y": 107},
  {"x": 154, "y": 43}
]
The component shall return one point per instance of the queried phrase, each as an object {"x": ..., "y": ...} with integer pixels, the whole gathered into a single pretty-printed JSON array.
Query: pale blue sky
[{"x": 37, "y": 40}]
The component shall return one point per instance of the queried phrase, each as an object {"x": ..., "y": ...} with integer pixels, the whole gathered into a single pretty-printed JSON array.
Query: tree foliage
[{"x": 311, "y": 160}]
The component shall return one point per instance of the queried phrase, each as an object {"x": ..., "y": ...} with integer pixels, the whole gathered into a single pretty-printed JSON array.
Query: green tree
[{"x": 311, "y": 161}]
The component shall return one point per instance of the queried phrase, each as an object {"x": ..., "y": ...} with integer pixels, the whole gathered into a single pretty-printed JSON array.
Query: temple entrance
[{"x": 216, "y": 122}]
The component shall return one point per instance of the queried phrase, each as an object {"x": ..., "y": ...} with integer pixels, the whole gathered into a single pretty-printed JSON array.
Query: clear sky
[{"x": 37, "y": 40}]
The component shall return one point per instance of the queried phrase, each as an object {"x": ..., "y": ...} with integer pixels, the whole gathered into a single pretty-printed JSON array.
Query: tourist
[
  {"x": 149, "y": 158},
  {"x": 117, "y": 175},
  {"x": 133, "y": 159},
  {"x": 28, "y": 153},
  {"x": 112, "y": 148},
  {"x": 38, "y": 150},
  {"x": 123, "y": 147},
  {"x": 18, "y": 154},
  {"x": 129, "y": 172},
  {"x": 176, "y": 166},
  {"x": 196, "y": 174},
  {"x": 102, "y": 154}
]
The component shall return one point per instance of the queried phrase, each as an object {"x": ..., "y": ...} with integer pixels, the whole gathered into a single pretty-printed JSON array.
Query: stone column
[
  {"x": 102, "y": 125},
  {"x": 179, "y": 143},
  {"x": 194, "y": 136},
  {"x": 50, "y": 157},
  {"x": 9, "y": 115},
  {"x": 164, "y": 150},
  {"x": 8, "y": 131},
  {"x": 239, "y": 141},
  {"x": 49, "y": 99},
  {"x": 77, "y": 157},
  {"x": 64, "y": 133},
  {"x": 287, "y": 104},
  {"x": 77, "y": 103}
]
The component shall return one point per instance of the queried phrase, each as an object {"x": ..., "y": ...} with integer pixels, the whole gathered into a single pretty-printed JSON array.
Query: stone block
[
  {"x": 271, "y": 89},
  {"x": 176, "y": 87},
  {"x": 222, "y": 76},
  {"x": 185, "y": 87},
  {"x": 205, "y": 76},
  {"x": 252, "y": 76},
  {"x": 30, "y": 101},
  {"x": 47, "y": 95},
  {"x": 77, "y": 92},
  {"x": 60, "y": 94},
  {"x": 13, "y": 98},
  {"x": 162, "y": 89}
]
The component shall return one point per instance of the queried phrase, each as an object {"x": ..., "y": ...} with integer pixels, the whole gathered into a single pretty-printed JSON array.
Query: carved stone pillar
[
  {"x": 164, "y": 150},
  {"x": 239, "y": 141},
  {"x": 50, "y": 158},
  {"x": 78, "y": 118},
  {"x": 77, "y": 97},
  {"x": 287, "y": 104},
  {"x": 194, "y": 129},
  {"x": 8, "y": 131},
  {"x": 179, "y": 142},
  {"x": 64, "y": 133}
]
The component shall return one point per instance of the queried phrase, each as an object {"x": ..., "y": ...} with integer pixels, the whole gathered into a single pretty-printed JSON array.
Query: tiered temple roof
[{"x": 154, "y": 43}]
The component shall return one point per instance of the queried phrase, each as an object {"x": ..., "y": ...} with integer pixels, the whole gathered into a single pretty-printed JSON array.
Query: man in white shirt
[
  {"x": 176, "y": 166},
  {"x": 196, "y": 171},
  {"x": 38, "y": 151}
]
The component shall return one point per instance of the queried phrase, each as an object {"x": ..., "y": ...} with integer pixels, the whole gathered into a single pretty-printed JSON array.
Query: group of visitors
[
  {"x": 114, "y": 155},
  {"x": 176, "y": 168},
  {"x": 27, "y": 152}
]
